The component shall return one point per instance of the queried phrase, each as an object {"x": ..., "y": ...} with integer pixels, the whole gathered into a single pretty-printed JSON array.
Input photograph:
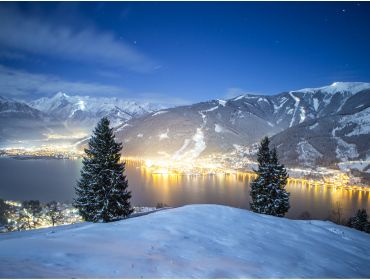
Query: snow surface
[
  {"x": 222, "y": 102},
  {"x": 219, "y": 128},
  {"x": 159, "y": 113},
  {"x": 123, "y": 127},
  {"x": 262, "y": 99},
  {"x": 316, "y": 104},
  {"x": 314, "y": 126},
  {"x": 344, "y": 150},
  {"x": 360, "y": 119},
  {"x": 180, "y": 152},
  {"x": 296, "y": 102},
  {"x": 283, "y": 101},
  {"x": 239, "y": 97},
  {"x": 302, "y": 114},
  {"x": 195, "y": 241},
  {"x": 211, "y": 109},
  {"x": 200, "y": 144}
]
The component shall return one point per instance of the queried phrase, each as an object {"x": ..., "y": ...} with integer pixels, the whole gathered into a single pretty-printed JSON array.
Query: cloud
[
  {"x": 21, "y": 32},
  {"x": 22, "y": 84}
]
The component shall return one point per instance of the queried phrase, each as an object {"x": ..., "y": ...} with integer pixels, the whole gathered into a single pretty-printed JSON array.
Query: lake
[{"x": 54, "y": 179}]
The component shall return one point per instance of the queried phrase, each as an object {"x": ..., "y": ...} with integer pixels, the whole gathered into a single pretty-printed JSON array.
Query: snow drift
[{"x": 196, "y": 241}]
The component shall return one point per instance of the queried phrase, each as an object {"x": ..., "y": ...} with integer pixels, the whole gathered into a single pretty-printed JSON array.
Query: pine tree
[
  {"x": 268, "y": 189},
  {"x": 102, "y": 192},
  {"x": 359, "y": 221}
]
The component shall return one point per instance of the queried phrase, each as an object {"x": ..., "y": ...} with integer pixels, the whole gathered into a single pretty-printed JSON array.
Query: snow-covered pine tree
[
  {"x": 268, "y": 189},
  {"x": 359, "y": 221},
  {"x": 278, "y": 193},
  {"x": 102, "y": 192},
  {"x": 259, "y": 192}
]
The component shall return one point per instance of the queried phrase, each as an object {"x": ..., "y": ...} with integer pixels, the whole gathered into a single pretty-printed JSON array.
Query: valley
[{"x": 318, "y": 132}]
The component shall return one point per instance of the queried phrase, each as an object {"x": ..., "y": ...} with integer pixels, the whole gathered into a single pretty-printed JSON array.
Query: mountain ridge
[
  {"x": 326, "y": 126},
  {"x": 218, "y": 126}
]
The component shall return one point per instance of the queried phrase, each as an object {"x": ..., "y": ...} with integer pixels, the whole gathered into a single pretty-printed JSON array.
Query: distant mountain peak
[
  {"x": 60, "y": 94},
  {"x": 85, "y": 110},
  {"x": 342, "y": 87}
]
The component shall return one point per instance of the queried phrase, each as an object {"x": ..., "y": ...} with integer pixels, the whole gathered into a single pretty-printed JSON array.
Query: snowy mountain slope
[
  {"x": 195, "y": 241},
  {"x": 191, "y": 131},
  {"x": 339, "y": 87},
  {"x": 339, "y": 137},
  {"x": 62, "y": 117},
  {"x": 217, "y": 126},
  {"x": 10, "y": 108},
  {"x": 86, "y": 111}
]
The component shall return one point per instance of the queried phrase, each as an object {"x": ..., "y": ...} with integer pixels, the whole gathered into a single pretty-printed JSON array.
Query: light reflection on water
[
  {"x": 233, "y": 190},
  {"x": 55, "y": 180}
]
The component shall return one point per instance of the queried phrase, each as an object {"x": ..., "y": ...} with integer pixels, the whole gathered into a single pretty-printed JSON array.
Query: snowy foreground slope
[{"x": 206, "y": 241}]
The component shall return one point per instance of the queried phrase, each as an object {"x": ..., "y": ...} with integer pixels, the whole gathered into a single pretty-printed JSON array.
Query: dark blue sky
[{"x": 180, "y": 52}]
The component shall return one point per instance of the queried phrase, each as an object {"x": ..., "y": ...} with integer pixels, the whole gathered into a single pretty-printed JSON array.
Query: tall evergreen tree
[
  {"x": 359, "y": 221},
  {"x": 268, "y": 189},
  {"x": 102, "y": 192}
]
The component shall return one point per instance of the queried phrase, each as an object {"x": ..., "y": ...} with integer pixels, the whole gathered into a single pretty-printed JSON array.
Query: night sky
[{"x": 180, "y": 52}]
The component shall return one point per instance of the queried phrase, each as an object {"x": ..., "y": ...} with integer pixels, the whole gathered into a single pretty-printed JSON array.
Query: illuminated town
[
  {"x": 215, "y": 164},
  {"x": 44, "y": 151},
  {"x": 323, "y": 177},
  {"x": 19, "y": 218}
]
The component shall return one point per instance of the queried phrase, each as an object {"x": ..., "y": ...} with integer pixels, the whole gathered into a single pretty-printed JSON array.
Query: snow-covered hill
[{"x": 196, "y": 241}]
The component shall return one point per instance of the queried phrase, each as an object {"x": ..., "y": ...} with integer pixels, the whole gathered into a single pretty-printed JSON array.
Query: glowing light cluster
[{"x": 204, "y": 166}]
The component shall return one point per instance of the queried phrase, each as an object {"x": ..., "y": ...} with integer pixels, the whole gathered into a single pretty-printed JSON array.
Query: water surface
[{"x": 52, "y": 179}]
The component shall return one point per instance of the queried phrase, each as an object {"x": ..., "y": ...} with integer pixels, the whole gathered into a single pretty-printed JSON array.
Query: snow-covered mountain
[
  {"x": 326, "y": 126},
  {"x": 10, "y": 108},
  {"x": 19, "y": 121},
  {"x": 62, "y": 117},
  {"x": 338, "y": 112},
  {"x": 85, "y": 111},
  {"x": 195, "y": 241}
]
